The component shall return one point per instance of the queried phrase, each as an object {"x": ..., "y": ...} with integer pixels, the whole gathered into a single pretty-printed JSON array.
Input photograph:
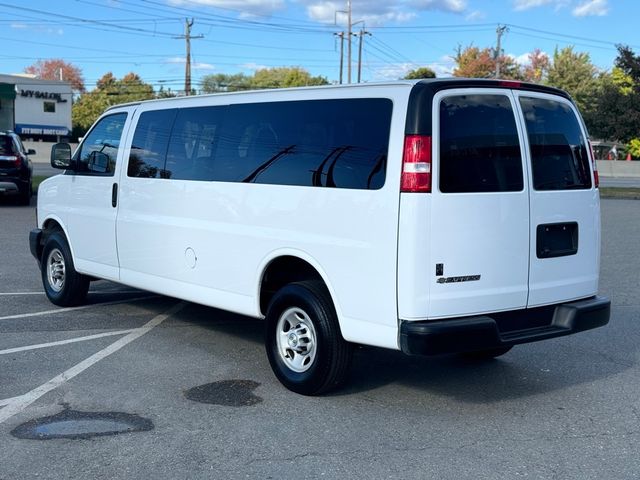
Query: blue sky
[{"x": 241, "y": 35}]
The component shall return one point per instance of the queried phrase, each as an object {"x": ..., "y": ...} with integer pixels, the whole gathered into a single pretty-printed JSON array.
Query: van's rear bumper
[{"x": 489, "y": 331}]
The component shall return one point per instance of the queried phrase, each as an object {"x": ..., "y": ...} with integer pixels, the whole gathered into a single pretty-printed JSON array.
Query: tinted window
[
  {"x": 99, "y": 150},
  {"x": 193, "y": 143},
  {"x": 479, "y": 147},
  {"x": 149, "y": 145},
  {"x": 329, "y": 143},
  {"x": 6, "y": 145},
  {"x": 559, "y": 157}
]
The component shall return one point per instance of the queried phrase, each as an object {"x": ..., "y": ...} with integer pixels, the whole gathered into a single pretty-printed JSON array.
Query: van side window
[
  {"x": 559, "y": 157},
  {"x": 149, "y": 145},
  {"x": 323, "y": 143},
  {"x": 479, "y": 146},
  {"x": 99, "y": 150},
  {"x": 193, "y": 143}
]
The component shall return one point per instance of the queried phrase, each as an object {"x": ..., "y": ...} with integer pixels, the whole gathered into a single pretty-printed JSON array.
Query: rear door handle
[{"x": 114, "y": 195}]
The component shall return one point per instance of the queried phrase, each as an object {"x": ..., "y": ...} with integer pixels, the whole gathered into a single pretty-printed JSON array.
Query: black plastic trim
[
  {"x": 479, "y": 333},
  {"x": 419, "y": 121},
  {"x": 35, "y": 243}
]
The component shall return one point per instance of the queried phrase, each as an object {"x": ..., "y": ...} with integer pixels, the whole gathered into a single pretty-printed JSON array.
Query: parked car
[
  {"x": 16, "y": 169},
  {"x": 431, "y": 217}
]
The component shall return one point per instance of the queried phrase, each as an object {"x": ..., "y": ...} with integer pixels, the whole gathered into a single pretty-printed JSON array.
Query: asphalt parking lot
[{"x": 194, "y": 387}]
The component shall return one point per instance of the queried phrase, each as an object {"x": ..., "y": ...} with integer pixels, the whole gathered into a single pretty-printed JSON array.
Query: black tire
[
  {"x": 62, "y": 284},
  {"x": 328, "y": 367},
  {"x": 486, "y": 354}
]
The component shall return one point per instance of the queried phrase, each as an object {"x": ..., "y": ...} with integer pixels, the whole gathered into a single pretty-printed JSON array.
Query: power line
[{"x": 88, "y": 21}]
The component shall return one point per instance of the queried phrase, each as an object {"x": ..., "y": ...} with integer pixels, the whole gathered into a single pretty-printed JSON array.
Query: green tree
[
  {"x": 418, "y": 73},
  {"x": 223, "y": 82},
  {"x": 573, "y": 72},
  {"x": 616, "y": 112},
  {"x": 282, "y": 77},
  {"x": 109, "y": 91},
  {"x": 629, "y": 63},
  {"x": 634, "y": 147}
]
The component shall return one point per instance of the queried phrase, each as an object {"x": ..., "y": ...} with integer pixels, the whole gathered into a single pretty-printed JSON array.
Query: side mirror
[
  {"x": 61, "y": 156},
  {"x": 31, "y": 151}
]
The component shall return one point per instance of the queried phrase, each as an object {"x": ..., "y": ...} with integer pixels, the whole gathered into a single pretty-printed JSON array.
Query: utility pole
[
  {"x": 349, "y": 41},
  {"x": 187, "y": 66},
  {"x": 341, "y": 36},
  {"x": 499, "y": 31},
  {"x": 362, "y": 33}
]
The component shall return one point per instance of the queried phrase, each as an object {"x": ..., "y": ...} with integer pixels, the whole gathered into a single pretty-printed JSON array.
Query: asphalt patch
[
  {"x": 229, "y": 393},
  {"x": 74, "y": 424}
]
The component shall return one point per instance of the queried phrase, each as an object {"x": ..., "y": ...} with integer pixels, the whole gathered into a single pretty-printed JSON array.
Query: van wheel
[
  {"x": 303, "y": 341},
  {"x": 62, "y": 284},
  {"x": 486, "y": 354}
]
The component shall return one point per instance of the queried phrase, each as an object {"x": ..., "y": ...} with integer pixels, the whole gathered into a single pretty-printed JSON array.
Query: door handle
[{"x": 114, "y": 195}]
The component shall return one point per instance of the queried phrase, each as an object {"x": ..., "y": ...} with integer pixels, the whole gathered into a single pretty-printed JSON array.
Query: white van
[{"x": 432, "y": 217}]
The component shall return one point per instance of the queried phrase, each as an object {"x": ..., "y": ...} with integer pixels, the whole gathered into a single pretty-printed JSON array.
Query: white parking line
[
  {"x": 72, "y": 309},
  {"x": 15, "y": 405},
  {"x": 64, "y": 342}
]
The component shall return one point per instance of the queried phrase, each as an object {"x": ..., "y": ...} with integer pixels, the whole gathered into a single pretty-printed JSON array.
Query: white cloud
[
  {"x": 527, "y": 4},
  {"x": 523, "y": 59},
  {"x": 375, "y": 12},
  {"x": 443, "y": 68},
  {"x": 252, "y": 66},
  {"x": 48, "y": 30},
  {"x": 202, "y": 66},
  {"x": 194, "y": 65},
  {"x": 583, "y": 8},
  {"x": 591, "y": 8},
  {"x": 475, "y": 16},
  {"x": 245, "y": 7}
]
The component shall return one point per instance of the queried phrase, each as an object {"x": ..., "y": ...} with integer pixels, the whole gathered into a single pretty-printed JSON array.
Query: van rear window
[
  {"x": 559, "y": 157},
  {"x": 479, "y": 147}
]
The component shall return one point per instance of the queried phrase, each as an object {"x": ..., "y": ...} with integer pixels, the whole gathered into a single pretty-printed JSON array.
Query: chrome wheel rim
[
  {"x": 296, "y": 340},
  {"x": 55, "y": 270}
]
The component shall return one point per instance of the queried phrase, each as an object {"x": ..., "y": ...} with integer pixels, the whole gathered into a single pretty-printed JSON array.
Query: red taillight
[
  {"x": 17, "y": 162},
  {"x": 416, "y": 164},
  {"x": 596, "y": 178}
]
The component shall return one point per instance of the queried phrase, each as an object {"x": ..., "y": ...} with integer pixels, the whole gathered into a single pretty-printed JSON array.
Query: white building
[{"x": 35, "y": 108}]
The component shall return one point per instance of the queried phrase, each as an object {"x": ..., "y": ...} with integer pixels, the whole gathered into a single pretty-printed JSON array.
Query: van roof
[{"x": 427, "y": 86}]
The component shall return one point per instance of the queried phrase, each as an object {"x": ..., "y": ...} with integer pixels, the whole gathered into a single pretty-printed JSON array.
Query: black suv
[{"x": 15, "y": 167}]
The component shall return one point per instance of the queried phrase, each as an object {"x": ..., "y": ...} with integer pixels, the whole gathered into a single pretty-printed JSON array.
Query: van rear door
[
  {"x": 565, "y": 205},
  {"x": 479, "y": 226}
]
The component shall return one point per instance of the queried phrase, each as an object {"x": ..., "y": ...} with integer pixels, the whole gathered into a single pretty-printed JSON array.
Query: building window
[{"x": 50, "y": 107}]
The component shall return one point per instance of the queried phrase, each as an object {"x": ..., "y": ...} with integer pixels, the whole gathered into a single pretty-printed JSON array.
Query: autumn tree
[
  {"x": 58, "y": 69},
  {"x": 418, "y": 73},
  {"x": 475, "y": 62},
  {"x": 538, "y": 67},
  {"x": 109, "y": 91}
]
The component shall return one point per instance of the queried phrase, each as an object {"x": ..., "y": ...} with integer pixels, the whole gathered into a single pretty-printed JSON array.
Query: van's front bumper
[{"x": 491, "y": 331}]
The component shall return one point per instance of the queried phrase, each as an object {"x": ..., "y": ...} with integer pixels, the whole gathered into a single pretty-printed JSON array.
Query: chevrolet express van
[{"x": 431, "y": 217}]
